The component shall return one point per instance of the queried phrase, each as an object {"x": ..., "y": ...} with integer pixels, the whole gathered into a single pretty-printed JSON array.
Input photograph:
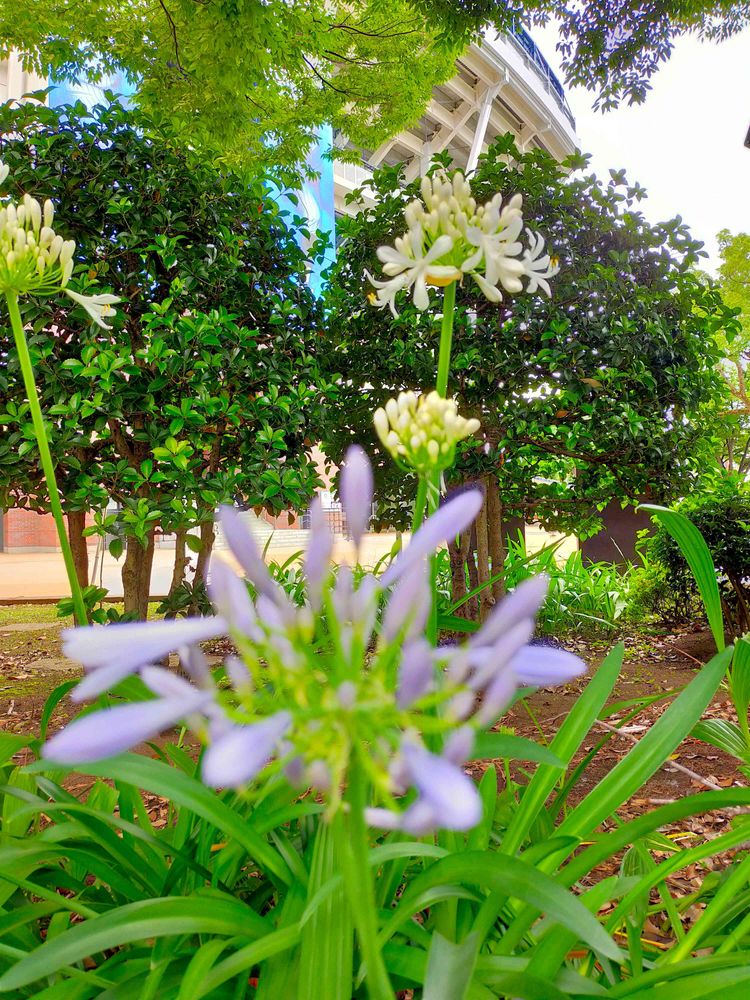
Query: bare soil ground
[{"x": 32, "y": 665}]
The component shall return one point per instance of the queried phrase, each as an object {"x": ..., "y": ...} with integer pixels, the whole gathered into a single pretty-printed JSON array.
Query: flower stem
[
  {"x": 419, "y": 504},
  {"x": 27, "y": 372},
  {"x": 446, "y": 339},
  {"x": 354, "y": 849}
]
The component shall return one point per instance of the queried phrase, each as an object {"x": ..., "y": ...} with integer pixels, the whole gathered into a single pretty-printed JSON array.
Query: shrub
[{"x": 721, "y": 512}]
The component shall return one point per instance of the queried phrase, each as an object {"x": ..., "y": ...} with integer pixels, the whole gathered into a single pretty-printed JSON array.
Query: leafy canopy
[
  {"x": 608, "y": 390},
  {"x": 247, "y": 80}
]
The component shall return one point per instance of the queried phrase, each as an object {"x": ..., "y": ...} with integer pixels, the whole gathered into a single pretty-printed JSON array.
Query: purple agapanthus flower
[{"x": 348, "y": 672}]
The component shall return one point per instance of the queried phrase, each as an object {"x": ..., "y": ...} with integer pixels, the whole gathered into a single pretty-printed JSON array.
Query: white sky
[{"x": 685, "y": 143}]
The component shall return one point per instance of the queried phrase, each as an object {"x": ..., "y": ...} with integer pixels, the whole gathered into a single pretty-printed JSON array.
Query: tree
[
  {"x": 608, "y": 390},
  {"x": 250, "y": 81},
  {"x": 734, "y": 281},
  {"x": 206, "y": 387}
]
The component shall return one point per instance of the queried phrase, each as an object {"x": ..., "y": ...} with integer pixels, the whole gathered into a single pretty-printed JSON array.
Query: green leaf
[
  {"x": 184, "y": 790},
  {"x": 505, "y": 746},
  {"x": 514, "y": 879},
  {"x": 116, "y": 548},
  {"x": 652, "y": 750},
  {"x": 725, "y": 735},
  {"x": 193, "y": 542},
  {"x": 140, "y": 921},
  {"x": 740, "y": 678},
  {"x": 450, "y": 968},
  {"x": 698, "y": 558},
  {"x": 568, "y": 739}
]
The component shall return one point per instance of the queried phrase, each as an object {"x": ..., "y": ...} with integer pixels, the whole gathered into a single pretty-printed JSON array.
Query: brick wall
[{"x": 26, "y": 531}]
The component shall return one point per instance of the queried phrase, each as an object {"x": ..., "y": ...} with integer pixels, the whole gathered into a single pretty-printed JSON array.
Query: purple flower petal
[
  {"x": 165, "y": 684},
  {"x": 451, "y": 795},
  {"x": 235, "y": 758},
  {"x": 245, "y": 551},
  {"x": 540, "y": 665},
  {"x": 100, "y": 680},
  {"x": 318, "y": 554},
  {"x": 447, "y": 522},
  {"x": 459, "y": 745},
  {"x": 229, "y": 595},
  {"x": 523, "y": 602},
  {"x": 416, "y": 672},
  {"x": 135, "y": 644},
  {"x": 355, "y": 487},
  {"x": 383, "y": 819},
  {"x": 409, "y": 604},
  {"x": 498, "y": 696},
  {"x": 488, "y": 660},
  {"x": 114, "y": 730}
]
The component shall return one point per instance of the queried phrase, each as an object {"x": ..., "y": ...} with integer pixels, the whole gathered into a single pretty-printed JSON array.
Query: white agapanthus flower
[
  {"x": 449, "y": 236},
  {"x": 422, "y": 431},
  {"x": 36, "y": 260}
]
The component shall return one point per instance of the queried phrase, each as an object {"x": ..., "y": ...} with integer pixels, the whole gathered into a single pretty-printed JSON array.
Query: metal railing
[{"x": 520, "y": 37}]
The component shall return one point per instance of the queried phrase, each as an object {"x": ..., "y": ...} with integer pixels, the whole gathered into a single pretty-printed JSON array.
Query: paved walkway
[{"x": 41, "y": 575}]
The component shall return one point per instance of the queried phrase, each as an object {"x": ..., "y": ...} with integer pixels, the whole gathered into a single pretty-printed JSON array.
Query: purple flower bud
[
  {"x": 242, "y": 546},
  {"x": 416, "y": 672},
  {"x": 447, "y": 522},
  {"x": 409, "y": 604},
  {"x": 461, "y": 705},
  {"x": 524, "y": 602},
  {"x": 113, "y": 652},
  {"x": 488, "y": 660},
  {"x": 318, "y": 555},
  {"x": 229, "y": 595},
  {"x": 355, "y": 487},
  {"x": 540, "y": 665},
  {"x": 459, "y": 745},
  {"x": 114, "y": 730},
  {"x": 319, "y": 775},
  {"x": 449, "y": 794},
  {"x": 235, "y": 758},
  {"x": 238, "y": 674},
  {"x": 498, "y": 696},
  {"x": 165, "y": 684},
  {"x": 195, "y": 664}
]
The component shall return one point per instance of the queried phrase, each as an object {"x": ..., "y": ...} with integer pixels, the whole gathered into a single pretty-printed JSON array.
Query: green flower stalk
[{"x": 35, "y": 260}]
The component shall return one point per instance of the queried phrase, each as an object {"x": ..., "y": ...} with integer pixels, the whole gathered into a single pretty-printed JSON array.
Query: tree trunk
[
  {"x": 179, "y": 567},
  {"x": 483, "y": 562},
  {"x": 208, "y": 536},
  {"x": 495, "y": 536},
  {"x": 136, "y": 575},
  {"x": 76, "y": 524}
]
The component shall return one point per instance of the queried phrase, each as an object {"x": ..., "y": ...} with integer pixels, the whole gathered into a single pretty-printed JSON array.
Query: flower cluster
[
  {"x": 422, "y": 431},
  {"x": 346, "y": 677},
  {"x": 35, "y": 259},
  {"x": 449, "y": 235}
]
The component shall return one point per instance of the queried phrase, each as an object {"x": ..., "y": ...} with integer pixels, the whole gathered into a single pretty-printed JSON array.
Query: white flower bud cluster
[
  {"x": 449, "y": 235},
  {"x": 34, "y": 259},
  {"x": 422, "y": 431}
]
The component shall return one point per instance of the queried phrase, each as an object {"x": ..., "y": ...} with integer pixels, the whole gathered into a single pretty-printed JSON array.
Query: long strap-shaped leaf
[
  {"x": 140, "y": 921},
  {"x": 698, "y": 557}
]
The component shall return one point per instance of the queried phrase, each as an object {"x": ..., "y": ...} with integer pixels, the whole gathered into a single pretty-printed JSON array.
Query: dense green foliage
[
  {"x": 205, "y": 388},
  {"x": 734, "y": 281},
  {"x": 250, "y": 81},
  {"x": 720, "y": 510},
  {"x": 253, "y": 80},
  {"x": 609, "y": 389}
]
